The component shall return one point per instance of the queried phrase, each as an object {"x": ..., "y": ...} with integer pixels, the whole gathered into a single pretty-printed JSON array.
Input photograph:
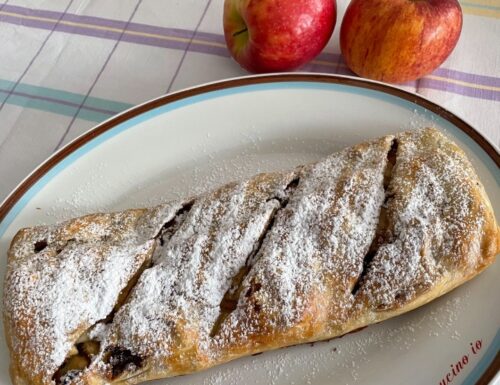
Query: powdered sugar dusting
[
  {"x": 62, "y": 279},
  {"x": 193, "y": 270},
  {"x": 432, "y": 218},
  {"x": 317, "y": 244},
  {"x": 72, "y": 294}
]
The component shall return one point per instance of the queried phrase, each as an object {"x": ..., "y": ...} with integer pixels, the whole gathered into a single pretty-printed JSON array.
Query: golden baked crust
[{"x": 366, "y": 234}]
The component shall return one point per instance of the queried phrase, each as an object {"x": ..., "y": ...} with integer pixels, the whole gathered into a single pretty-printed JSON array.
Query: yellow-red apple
[
  {"x": 277, "y": 35},
  {"x": 399, "y": 40}
]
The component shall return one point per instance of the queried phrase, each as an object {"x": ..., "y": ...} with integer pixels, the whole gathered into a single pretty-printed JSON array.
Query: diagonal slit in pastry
[
  {"x": 86, "y": 348},
  {"x": 382, "y": 225},
  {"x": 230, "y": 298}
]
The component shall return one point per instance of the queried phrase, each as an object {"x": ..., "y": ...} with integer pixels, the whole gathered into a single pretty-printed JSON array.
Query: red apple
[
  {"x": 399, "y": 40},
  {"x": 277, "y": 35}
]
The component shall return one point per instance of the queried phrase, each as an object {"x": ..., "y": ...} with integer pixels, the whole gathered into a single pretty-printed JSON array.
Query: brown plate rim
[{"x": 101, "y": 128}]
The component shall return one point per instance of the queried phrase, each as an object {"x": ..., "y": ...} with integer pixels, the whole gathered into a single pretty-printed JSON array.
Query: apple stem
[{"x": 240, "y": 32}]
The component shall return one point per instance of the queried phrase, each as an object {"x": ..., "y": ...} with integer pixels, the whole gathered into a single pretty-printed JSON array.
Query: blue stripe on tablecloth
[{"x": 60, "y": 102}]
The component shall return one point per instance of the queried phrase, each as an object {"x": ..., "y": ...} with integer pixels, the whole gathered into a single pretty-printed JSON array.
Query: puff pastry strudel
[{"x": 283, "y": 258}]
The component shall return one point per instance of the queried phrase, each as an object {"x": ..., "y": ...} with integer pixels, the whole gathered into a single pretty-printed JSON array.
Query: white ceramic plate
[{"x": 193, "y": 140}]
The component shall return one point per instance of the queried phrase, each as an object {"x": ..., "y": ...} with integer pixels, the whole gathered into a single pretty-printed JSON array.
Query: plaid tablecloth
[{"x": 66, "y": 65}]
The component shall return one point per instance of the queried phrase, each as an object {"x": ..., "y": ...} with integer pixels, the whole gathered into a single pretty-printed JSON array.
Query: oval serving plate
[{"x": 192, "y": 140}]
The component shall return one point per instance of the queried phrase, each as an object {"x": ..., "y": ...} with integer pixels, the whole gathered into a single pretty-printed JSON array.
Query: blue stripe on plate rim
[{"x": 490, "y": 353}]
